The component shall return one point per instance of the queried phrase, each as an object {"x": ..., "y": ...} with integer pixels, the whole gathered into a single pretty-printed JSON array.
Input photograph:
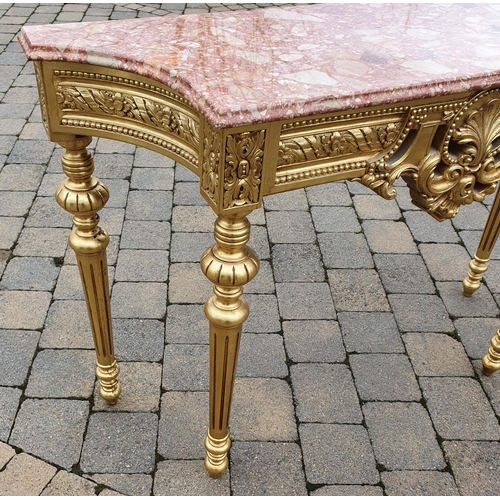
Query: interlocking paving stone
[
  {"x": 459, "y": 408},
  {"x": 345, "y": 250},
  {"x": 15, "y": 203},
  {"x": 183, "y": 425},
  {"x": 262, "y": 410},
  {"x": 263, "y": 282},
  {"x": 25, "y": 476},
  {"x": 476, "y": 466},
  {"x": 491, "y": 386},
  {"x": 292, "y": 200},
  {"x": 146, "y": 158},
  {"x": 347, "y": 490},
  {"x": 139, "y": 300},
  {"x": 62, "y": 373},
  {"x": 67, "y": 326},
  {"x": 384, "y": 377},
  {"x": 373, "y": 332},
  {"x": 112, "y": 220},
  {"x": 185, "y": 367},
  {"x": 188, "y": 284},
  {"x": 264, "y": 314},
  {"x": 305, "y": 301},
  {"x": 188, "y": 247},
  {"x": 141, "y": 383},
  {"x": 149, "y": 205},
  {"x": 471, "y": 241},
  {"x": 437, "y": 355},
  {"x": 297, "y": 262},
  {"x": 267, "y": 469},
  {"x": 402, "y": 436},
  {"x": 325, "y": 393},
  {"x": 6, "y": 453},
  {"x": 420, "y": 313},
  {"x": 23, "y": 310},
  {"x": 36, "y": 152},
  {"x": 128, "y": 484},
  {"x": 9, "y": 401},
  {"x": 16, "y": 354},
  {"x": 474, "y": 217},
  {"x": 186, "y": 324},
  {"x": 110, "y": 146},
  {"x": 42, "y": 242},
  {"x": 419, "y": 483},
  {"x": 261, "y": 356},
  {"x": 10, "y": 227},
  {"x": 425, "y": 229},
  {"x": 375, "y": 207},
  {"x": 147, "y": 235},
  {"x": 119, "y": 443},
  {"x": 138, "y": 339},
  {"x": 187, "y": 193},
  {"x": 445, "y": 262},
  {"x": 188, "y": 477},
  {"x": 357, "y": 290},
  {"x": 290, "y": 227},
  {"x": 402, "y": 273},
  {"x": 51, "y": 429},
  {"x": 30, "y": 273},
  {"x": 14, "y": 177},
  {"x": 327, "y": 462},
  {"x": 480, "y": 304},
  {"x": 335, "y": 219},
  {"x": 66, "y": 484},
  {"x": 388, "y": 237},
  {"x": 113, "y": 166},
  {"x": 193, "y": 219},
  {"x": 142, "y": 265},
  {"x": 318, "y": 341},
  {"x": 69, "y": 285},
  {"x": 152, "y": 178}
]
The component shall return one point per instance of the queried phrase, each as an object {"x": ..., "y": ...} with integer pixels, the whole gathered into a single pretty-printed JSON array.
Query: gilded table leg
[
  {"x": 479, "y": 264},
  {"x": 229, "y": 265},
  {"x": 83, "y": 196},
  {"x": 491, "y": 361}
]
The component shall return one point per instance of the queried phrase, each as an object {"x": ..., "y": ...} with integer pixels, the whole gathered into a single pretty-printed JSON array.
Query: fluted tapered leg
[
  {"x": 229, "y": 265},
  {"x": 479, "y": 264},
  {"x": 83, "y": 196}
]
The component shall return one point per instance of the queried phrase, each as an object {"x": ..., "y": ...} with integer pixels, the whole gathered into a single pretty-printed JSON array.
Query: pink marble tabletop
[{"x": 278, "y": 63}]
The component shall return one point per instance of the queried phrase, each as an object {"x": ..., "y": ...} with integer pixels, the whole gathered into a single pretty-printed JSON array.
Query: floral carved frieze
[
  {"x": 243, "y": 168},
  {"x": 212, "y": 146}
]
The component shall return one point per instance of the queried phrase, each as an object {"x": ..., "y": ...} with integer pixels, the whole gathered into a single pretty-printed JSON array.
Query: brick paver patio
[{"x": 359, "y": 370}]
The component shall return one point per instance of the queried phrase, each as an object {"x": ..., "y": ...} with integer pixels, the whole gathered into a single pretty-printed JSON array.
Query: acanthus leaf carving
[{"x": 212, "y": 145}]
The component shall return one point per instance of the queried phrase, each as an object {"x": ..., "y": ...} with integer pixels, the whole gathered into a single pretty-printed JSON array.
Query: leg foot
[
  {"x": 477, "y": 267},
  {"x": 216, "y": 460},
  {"x": 491, "y": 362},
  {"x": 110, "y": 388}
]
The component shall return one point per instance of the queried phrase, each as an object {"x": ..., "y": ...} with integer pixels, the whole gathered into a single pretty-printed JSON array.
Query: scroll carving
[
  {"x": 243, "y": 168},
  {"x": 43, "y": 98},
  {"x": 212, "y": 145}
]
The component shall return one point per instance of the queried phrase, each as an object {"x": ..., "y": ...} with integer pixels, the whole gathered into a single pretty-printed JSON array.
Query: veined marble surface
[{"x": 278, "y": 63}]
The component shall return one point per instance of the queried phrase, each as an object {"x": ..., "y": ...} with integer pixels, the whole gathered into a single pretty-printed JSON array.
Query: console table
[{"x": 266, "y": 101}]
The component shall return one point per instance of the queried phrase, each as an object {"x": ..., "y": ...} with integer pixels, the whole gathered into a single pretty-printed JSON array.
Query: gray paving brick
[
  {"x": 459, "y": 408},
  {"x": 42, "y": 242},
  {"x": 23, "y": 310},
  {"x": 15, "y": 203},
  {"x": 259, "y": 242},
  {"x": 425, "y": 229},
  {"x": 110, "y": 146},
  {"x": 437, "y": 355},
  {"x": 119, "y": 443},
  {"x": 402, "y": 273},
  {"x": 419, "y": 483},
  {"x": 290, "y": 227},
  {"x": 345, "y": 250},
  {"x": 357, "y": 290},
  {"x": 69, "y": 285},
  {"x": 388, "y": 237},
  {"x": 445, "y": 262},
  {"x": 11, "y": 125},
  {"x": 113, "y": 166},
  {"x": 297, "y": 263},
  {"x": 21, "y": 177},
  {"x": 142, "y": 265},
  {"x": 10, "y": 227},
  {"x": 128, "y": 484},
  {"x": 264, "y": 315},
  {"x": 262, "y": 410},
  {"x": 141, "y": 384},
  {"x": 65, "y": 484},
  {"x": 30, "y": 273},
  {"x": 62, "y": 373},
  {"x": 146, "y": 158},
  {"x": 402, "y": 436},
  {"x": 263, "y": 282},
  {"x": 375, "y": 207},
  {"x": 326, "y": 461},
  {"x": 476, "y": 466},
  {"x": 188, "y": 477},
  {"x": 9, "y": 402},
  {"x": 128, "y": 300},
  {"x": 186, "y": 324},
  {"x": 25, "y": 475},
  {"x": 185, "y": 367},
  {"x": 317, "y": 341},
  {"x": 420, "y": 313},
  {"x": 67, "y": 326},
  {"x": 146, "y": 235},
  {"x": 138, "y": 339},
  {"x": 291, "y": 200},
  {"x": 188, "y": 284},
  {"x": 335, "y": 219},
  {"x": 267, "y": 469},
  {"x": 37, "y": 152},
  {"x": 183, "y": 425},
  {"x": 118, "y": 189},
  {"x": 187, "y": 193},
  {"x": 384, "y": 377},
  {"x": 22, "y": 95},
  {"x": 325, "y": 393},
  {"x": 471, "y": 241},
  {"x": 6, "y": 453},
  {"x": 152, "y": 178},
  {"x": 112, "y": 220},
  {"x": 198, "y": 219},
  {"x": 491, "y": 386},
  {"x": 16, "y": 111},
  {"x": 475, "y": 334},
  {"x": 347, "y": 490},
  {"x": 51, "y": 429},
  {"x": 472, "y": 217},
  {"x": 188, "y": 247},
  {"x": 480, "y": 304},
  {"x": 305, "y": 301},
  {"x": 261, "y": 356}
]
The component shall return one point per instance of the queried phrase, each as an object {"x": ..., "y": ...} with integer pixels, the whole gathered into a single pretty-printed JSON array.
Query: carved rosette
[
  {"x": 212, "y": 146},
  {"x": 243, "y": 168}
]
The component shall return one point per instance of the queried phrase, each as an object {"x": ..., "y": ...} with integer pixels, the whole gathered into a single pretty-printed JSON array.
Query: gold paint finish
[
  {"x": 83, "y": 196},
  {"x": 491, "y": 362}
]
